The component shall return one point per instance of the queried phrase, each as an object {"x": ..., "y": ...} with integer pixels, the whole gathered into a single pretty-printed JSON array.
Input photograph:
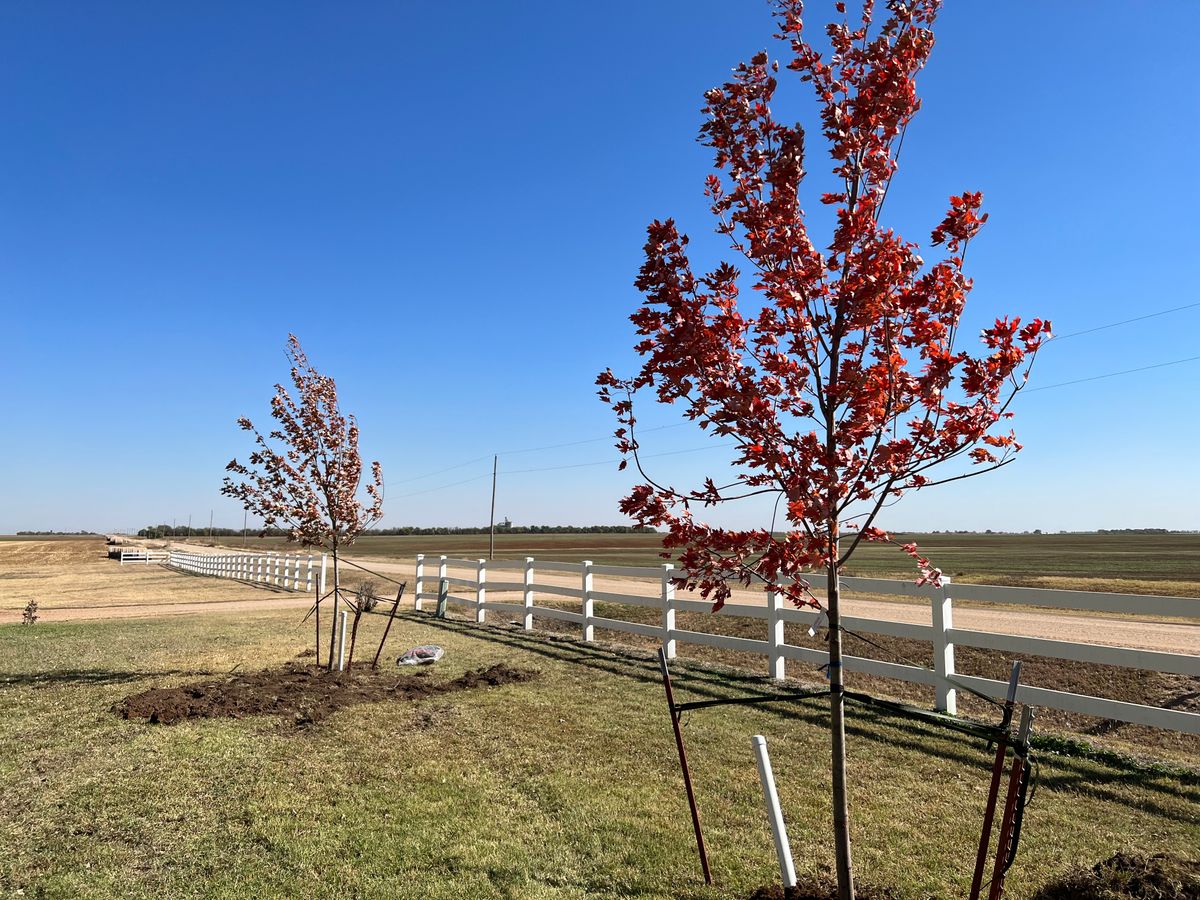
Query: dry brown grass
[{"x": 77, "y": 575}]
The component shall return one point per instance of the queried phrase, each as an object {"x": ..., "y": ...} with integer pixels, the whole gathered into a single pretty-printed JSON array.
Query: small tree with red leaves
[
  {"x": 843, "y": 385},
  {"x": 305, "y": 475}
]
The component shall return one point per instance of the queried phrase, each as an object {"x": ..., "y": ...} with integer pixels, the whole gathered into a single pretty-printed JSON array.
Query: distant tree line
[
  {"x": 508, "y": 528},
  {"x": 165, "y": 531},
  {"x": 62, "y": 533}
]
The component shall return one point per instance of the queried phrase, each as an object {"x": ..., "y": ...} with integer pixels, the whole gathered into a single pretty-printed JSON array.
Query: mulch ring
[
  {"x": 305, "y": 694},
  {"x": 1135, "y": 875},
  {"x": 1123, "y": 876},
  {"x": 818, "y": 889}
]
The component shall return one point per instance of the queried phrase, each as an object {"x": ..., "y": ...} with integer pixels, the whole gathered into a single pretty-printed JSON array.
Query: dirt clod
[
  {"x": 818, "y": 889},
  {"x": 1129, "y": 875},
  {"x": 305, "y": 694}
]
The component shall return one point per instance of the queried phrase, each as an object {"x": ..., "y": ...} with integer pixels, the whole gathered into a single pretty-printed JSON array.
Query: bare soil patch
[
  {"x": 818, "y": 889},
  {"x": 303, "y": 693},
  {"x": 1134, "y": 875}
]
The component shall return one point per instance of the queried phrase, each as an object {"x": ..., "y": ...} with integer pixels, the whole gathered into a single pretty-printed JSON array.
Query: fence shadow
[
  {"x": 1102, "y": 778},
  {"x": 89, "y": 677}
]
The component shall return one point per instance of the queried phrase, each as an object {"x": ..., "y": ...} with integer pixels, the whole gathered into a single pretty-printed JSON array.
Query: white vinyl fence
[
  {"x": 289, "y": 571},
  {"x": 487, "y": 578},
  {"x": 143, "y": 555}
]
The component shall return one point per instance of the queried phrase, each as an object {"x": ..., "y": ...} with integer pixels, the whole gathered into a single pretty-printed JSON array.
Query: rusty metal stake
[
  {"x": 683, "y": 764},
  {"x": 989, "y": 813},
  {"x": 391, "y": 618},
  {"x": 1015, "y": 778}
]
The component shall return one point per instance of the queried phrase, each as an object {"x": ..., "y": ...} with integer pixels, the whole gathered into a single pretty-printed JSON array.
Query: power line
[
  {"x": 443, "y": 487},
  {"x": 601, "y": 462},
  {"x": 1161, "y": 312},
  {"x": 559, "y": 446},
  {"x": 607, "y": 437},
  {"x": 438, "y": 472},
  {"x": 609, "y": 462},
  {"x": 1173, "y": 362}
]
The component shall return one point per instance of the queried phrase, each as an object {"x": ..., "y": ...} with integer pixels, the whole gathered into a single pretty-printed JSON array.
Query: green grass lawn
[{"x": 566, "y": 786}]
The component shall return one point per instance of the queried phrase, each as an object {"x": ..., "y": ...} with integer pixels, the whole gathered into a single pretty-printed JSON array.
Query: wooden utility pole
[
  {"x": 210, "y": 518},
  {"x": 244, "y": 528},
  {"x": 492, "y": 521}
]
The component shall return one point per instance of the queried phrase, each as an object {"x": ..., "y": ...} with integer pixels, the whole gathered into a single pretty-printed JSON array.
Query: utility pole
[
  {"x": 189, "y": 533},
  {"x": 492, "y": 522},
  {"x": 210, "y": 518},
  {"x": 243, "y": 528}
]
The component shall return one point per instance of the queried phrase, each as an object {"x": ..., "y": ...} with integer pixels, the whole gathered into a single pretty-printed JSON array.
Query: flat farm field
[{"x": 1119, "y": 563}]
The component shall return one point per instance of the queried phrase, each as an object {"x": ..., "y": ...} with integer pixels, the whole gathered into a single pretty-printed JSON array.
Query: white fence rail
[
  {"x": 288, "y": 571},
  {"x": 518, "y": 577},
  {"x": 143, "y": 555}
]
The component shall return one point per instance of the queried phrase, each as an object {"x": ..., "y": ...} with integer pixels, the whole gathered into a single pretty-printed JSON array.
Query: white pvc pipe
[
  {"x": 342, "y": 645},
  {"x": 787, "y": 869}
]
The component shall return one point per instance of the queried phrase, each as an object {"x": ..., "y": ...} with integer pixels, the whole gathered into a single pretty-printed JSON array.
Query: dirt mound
[
  {"x": 304, "y": 693},
  {"x": 1129, "y": 875},
  {"x": 818, "y": 889}
]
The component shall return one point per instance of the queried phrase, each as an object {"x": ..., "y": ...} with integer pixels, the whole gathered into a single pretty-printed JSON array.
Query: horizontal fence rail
[
  {"x": 142, "y": 555},
  {"x": 519, "y": 577},
  {"x": 286, "y": 571}
]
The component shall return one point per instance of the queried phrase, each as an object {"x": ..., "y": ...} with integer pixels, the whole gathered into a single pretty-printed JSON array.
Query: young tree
[
  {"x": 305, "y": 474},
  {"x": 842, "y": 385}
]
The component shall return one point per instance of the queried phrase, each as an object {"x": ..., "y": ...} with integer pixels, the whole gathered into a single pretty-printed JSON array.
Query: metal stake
[
  {"x": 1016, "y": 776},
  {"x": 989, "y": 813},
  {"x": 388, "y": 627},
  {"x": 683, "y": 764}
]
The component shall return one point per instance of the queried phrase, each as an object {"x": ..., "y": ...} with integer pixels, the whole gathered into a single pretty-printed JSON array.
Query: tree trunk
[
  {"x": 837, "y": 728},
  {"x": 333, "y": 619}
]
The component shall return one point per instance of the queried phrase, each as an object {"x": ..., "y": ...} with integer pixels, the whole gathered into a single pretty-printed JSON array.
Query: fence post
[
  {"x": 527, "y": 597},
  {"x": 441, "y": 572},
  {"x": 776, "y": 663},
  {"x": 943, "y": 650},
  {"x": 419, "y": 582},
  {"x": 324, "y": 560},
  {"x": 668, "y": 601},
  {"x": 308, "y": 584},
  {"x": 589, "y": 630},
  {"x": 276, "y": 580},
  {"x": 481, "y": 591}
]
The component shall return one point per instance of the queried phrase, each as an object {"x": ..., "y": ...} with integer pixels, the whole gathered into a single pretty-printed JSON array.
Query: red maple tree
[
  {"x": 305, "y": 474},
  {"x": 844, "y": 384}
]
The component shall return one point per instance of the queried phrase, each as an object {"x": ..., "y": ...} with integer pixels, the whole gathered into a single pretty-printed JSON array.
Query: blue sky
[{"x": 447, "y": 203}]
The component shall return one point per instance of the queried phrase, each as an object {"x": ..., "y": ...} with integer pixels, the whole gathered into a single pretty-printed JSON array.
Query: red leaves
[
  {"x": 311, "y": 481},
  {"x": 962, "y": 222},
  {"x": 844, "y": 387}
]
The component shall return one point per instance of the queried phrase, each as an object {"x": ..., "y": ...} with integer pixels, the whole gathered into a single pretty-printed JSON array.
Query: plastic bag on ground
[{"x": 421, "y": 656}]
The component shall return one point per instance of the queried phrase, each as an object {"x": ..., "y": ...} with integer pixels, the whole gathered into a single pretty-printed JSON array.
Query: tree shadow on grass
[
  {"x": 1102, "y": 778},
  {"x": 88, "y": 676}
]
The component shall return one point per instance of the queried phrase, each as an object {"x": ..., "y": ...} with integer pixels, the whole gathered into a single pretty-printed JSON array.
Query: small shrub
[
  {"x": 29, "y": 614},
  {"x": 365, "y": 595}
]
